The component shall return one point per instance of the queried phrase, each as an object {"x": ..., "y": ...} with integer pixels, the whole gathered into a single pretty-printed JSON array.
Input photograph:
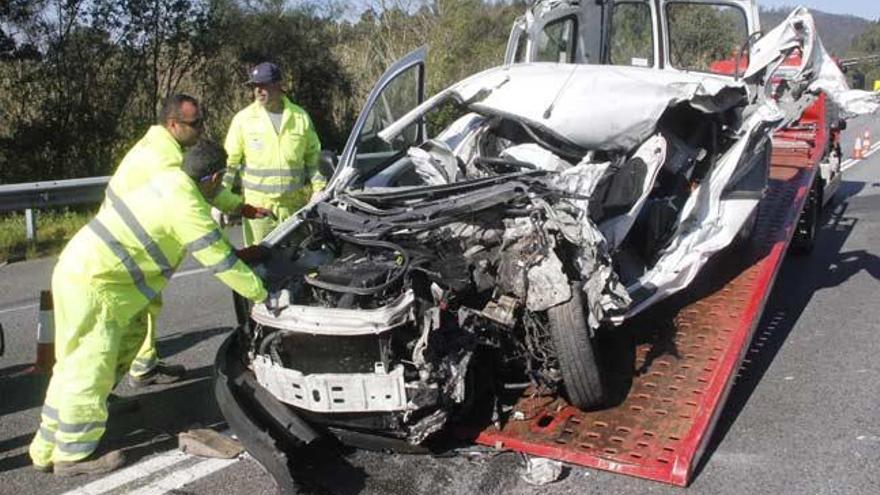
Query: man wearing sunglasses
[
  {"x": 105, "y": 279},
  {"x": 180, "y": 125},
  {"x": 273, "y": 149}
]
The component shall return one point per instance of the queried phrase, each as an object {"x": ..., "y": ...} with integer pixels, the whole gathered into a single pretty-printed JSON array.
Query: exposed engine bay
[{"x": 502, "y": 248}]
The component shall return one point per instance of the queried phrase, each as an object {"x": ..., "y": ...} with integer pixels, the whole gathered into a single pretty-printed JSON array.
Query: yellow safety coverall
[
  {"x": 279, "y": 170},
  {"x": 105, "y": 278},
  {"x": 155, "y": 153}
]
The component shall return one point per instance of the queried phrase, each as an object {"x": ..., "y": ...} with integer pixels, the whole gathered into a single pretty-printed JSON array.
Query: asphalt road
[{"x": 803, "y": 416}]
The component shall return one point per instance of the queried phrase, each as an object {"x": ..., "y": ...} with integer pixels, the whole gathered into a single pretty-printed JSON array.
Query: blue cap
[{"x": 264, "y": 73}]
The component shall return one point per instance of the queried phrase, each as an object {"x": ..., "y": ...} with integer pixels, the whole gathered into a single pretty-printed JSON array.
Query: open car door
[{"x": 400, "y": 89}]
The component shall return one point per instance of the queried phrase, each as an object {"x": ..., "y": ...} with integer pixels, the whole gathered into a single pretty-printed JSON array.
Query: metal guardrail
[{"x": 33, "y": 196}]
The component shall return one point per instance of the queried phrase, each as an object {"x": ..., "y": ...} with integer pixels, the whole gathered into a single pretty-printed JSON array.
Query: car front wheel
[{"x": 574, "y": 348}]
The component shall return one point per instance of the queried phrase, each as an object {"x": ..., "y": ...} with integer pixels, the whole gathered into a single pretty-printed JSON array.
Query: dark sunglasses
[{"x": 193, "y": 123}]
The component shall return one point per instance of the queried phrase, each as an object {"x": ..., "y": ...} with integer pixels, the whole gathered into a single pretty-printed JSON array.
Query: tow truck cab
[{"x": 660, "y": 34}]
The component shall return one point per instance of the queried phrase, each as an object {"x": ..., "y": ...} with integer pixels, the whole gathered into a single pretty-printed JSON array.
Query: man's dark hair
[
  {"x": 204, "y": 159},
  {"x": 171, "y": 106}
]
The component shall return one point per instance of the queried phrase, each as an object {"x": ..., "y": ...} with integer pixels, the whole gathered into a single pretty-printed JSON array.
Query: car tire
[
  {"x": 804, "y": 239},
  {"x": 581, "y": 374}
]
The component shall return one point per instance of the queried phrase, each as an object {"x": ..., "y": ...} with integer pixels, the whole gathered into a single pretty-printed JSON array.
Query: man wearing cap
[
  {"x": 273, "y": 147},
  {"x": 180, "y": 125},
  {"x": 107, "y": 276}
]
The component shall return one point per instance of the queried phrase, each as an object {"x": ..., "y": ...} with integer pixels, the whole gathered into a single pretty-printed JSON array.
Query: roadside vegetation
[{"x": 56, "y": 227}]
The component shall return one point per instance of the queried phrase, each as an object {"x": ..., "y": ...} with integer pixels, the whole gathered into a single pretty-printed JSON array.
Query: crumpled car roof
[
  {"x": 602, "y": 107},
  {"x": 591, "y": 106}
]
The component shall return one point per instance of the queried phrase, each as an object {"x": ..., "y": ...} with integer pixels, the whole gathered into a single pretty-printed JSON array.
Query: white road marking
[
  {"x": 18, "y": 308},
  {"x": 873, "y": 149},
  {"x": 851, "y": 162},
  {"x": 138, "y": 471},
  {"x": 179, "y": 478},
  {"x": 145, "y": 469}
]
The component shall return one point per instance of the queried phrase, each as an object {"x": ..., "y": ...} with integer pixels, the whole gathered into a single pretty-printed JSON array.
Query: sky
[{"x": 869, "y": 9}]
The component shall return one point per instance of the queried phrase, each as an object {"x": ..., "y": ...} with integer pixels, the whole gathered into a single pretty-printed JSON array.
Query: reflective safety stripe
[
  {"x": 76, "y": 447},
  {"x": 141, "y": 234},
  {"x": 225, "y": 264},
  {"x": 124, "y": 257},
  {"x": 205, "y": 240},
  {"x": 52, "y": 413},
  {"x": 47, "y": 435},
  {"x": 272, "y": 172},
  {"x": 272, "y": 188},
  {"x": 80, "y": 427},
  {"x": 144, "y": 365}
]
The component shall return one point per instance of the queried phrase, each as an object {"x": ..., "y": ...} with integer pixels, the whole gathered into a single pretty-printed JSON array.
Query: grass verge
[{"x": 54, "y": 229}]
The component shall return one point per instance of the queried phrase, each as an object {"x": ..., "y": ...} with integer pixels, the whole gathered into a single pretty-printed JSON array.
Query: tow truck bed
[{"x": 662, "y": 426}]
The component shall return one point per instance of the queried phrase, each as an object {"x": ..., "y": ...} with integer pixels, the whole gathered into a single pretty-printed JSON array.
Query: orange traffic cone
[
  {"x": 45, "y": 335},
  {"x": 866, "y": 142},
  {"x": 857, "y": 149}
]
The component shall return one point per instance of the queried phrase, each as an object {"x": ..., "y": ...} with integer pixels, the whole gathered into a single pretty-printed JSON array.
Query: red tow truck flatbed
[{"x": 661, "y": 428}]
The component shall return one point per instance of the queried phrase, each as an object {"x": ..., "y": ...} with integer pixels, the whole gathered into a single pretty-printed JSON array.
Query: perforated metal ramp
[{"x": 662, "y": 426}]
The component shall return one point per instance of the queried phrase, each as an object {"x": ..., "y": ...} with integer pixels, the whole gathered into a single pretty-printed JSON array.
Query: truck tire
[
  {"x": 804, "y": 239},
  {"x": 574, "y": 347}
]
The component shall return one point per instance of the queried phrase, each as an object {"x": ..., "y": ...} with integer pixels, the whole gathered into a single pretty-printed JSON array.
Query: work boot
[
  {"x": 161, "y": 374},
  {"x": 93, "y": 464}
]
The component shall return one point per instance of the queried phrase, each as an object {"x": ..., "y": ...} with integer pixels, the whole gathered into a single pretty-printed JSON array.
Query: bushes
[{"x": 80, "y": 86}]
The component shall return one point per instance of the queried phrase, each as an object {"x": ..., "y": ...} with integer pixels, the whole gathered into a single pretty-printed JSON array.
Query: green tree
[{"x": 868, "y": 43}]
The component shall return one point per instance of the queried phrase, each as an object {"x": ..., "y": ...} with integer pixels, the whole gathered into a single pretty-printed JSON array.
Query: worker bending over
[
  {"x": 180, "y": 126},
  {"x": 105, "y": 278}
]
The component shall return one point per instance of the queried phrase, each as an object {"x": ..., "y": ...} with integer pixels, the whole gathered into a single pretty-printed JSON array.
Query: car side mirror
[{"x": 327, "y": 163}]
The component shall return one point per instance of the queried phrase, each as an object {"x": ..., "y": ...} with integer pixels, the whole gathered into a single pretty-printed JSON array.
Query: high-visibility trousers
[
  {"x": 255, "y": 229},
  {"x": 147, "y": 357},
  {"x": 91, "y": 356}
]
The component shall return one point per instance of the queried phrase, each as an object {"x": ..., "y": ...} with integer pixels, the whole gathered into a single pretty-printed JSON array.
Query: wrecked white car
[{"x": 583, "y": 183}]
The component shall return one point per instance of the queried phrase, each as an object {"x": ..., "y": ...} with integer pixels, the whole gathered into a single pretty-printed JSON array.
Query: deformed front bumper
[{"x": 267, "y": 428}]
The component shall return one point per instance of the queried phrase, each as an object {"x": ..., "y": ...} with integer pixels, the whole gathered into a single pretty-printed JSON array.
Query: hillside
[{"x": 837, "y": 31}]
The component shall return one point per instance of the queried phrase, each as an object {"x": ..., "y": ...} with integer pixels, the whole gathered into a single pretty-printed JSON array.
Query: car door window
[
  {"x": 557, "y": 41},
  {"x": 399, "y": 90},
  {"x": 399, "y": 96},
  {"x": 632, "y": 35},
  {"x": 703, "y": 34}
]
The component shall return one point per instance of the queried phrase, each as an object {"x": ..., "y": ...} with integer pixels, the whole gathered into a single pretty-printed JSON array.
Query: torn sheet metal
[
  {"x": 818, "y": 71},
  {"x": 653, "y": 153},
  {"x": 708, "y": 222},
  {"x": 530, "y": 269},
  {"x": 435, "y": 163}
]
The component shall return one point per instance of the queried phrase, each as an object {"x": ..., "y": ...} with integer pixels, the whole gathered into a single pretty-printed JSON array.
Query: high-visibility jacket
[
  {"x": 275, "y": 167},
  {"x": 155, "y": 153},
  {"x": 129, "y": 251}
]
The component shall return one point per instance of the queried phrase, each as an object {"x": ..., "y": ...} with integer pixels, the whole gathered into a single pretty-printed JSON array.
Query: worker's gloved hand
[
  {"x": 250, "y": 211},
  {"x": 254, "y": 254}
]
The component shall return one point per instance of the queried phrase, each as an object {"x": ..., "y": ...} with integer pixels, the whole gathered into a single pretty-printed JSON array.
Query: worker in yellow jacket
[
  {"x": 273, "y": 149},
  {"x": 180, "y": 125},
  {"x": 106, "y": 276}
]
